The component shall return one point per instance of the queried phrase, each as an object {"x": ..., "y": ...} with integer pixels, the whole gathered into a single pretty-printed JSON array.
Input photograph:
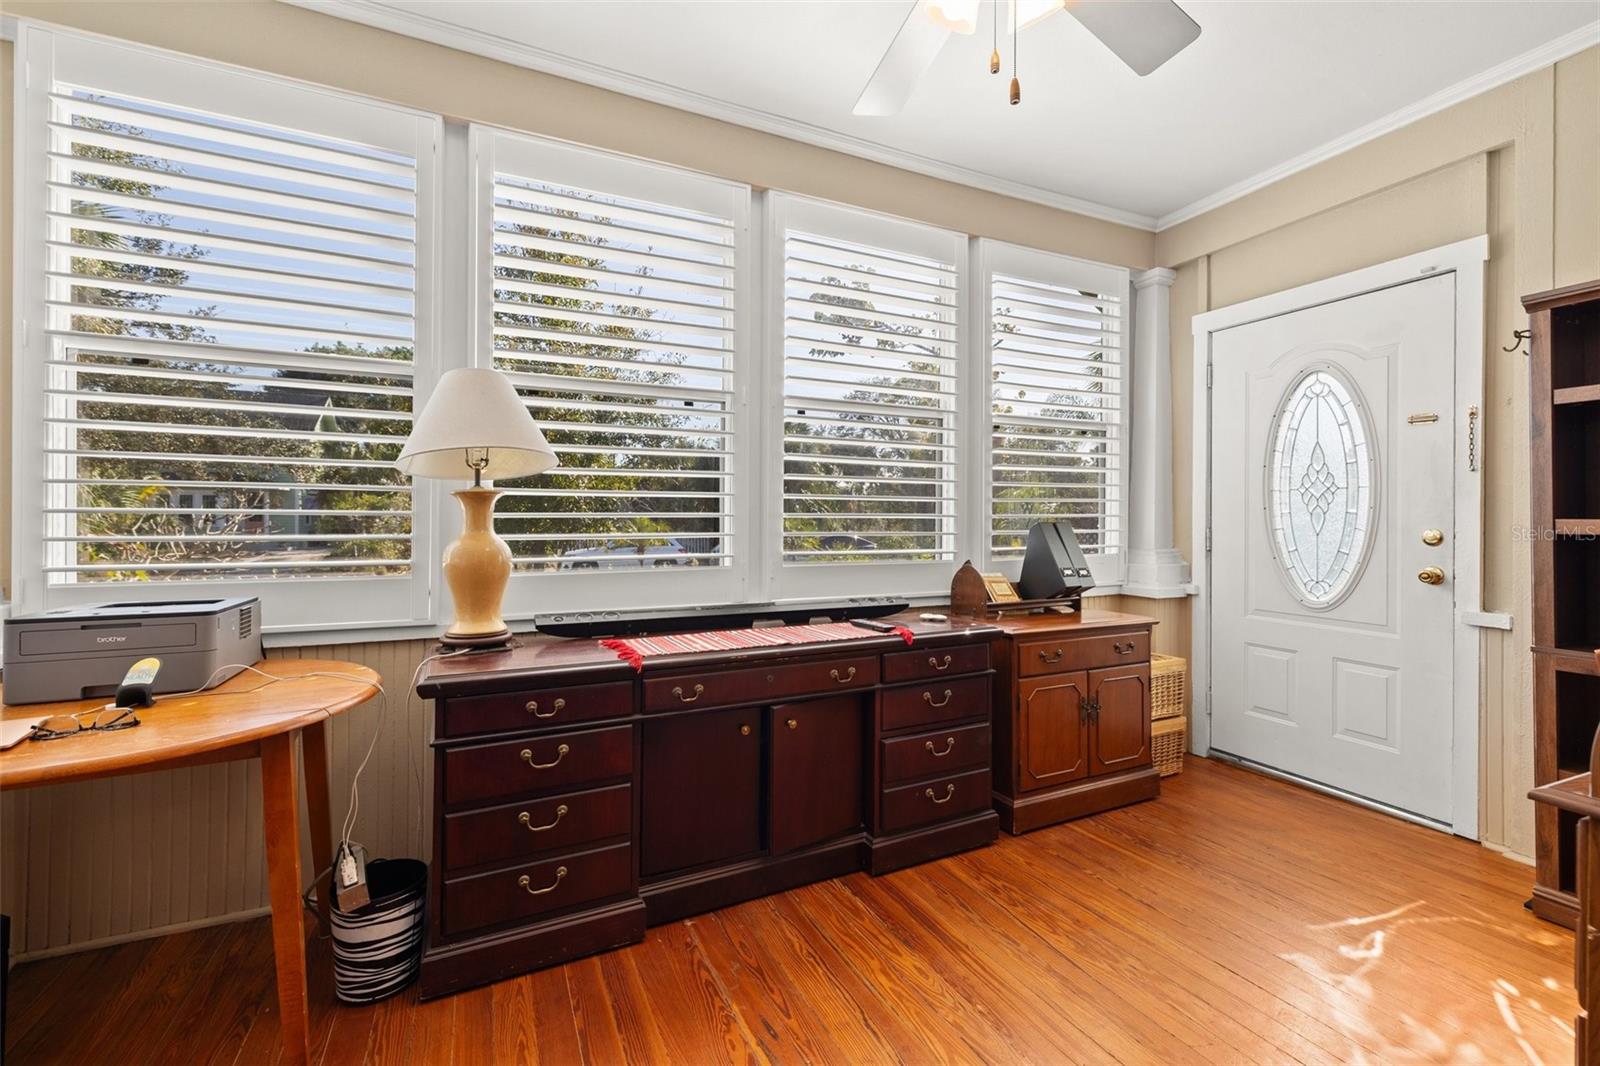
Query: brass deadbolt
[{"x": 1433, "y": 537}]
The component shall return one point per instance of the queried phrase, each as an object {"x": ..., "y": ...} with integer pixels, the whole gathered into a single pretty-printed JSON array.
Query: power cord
[{"x": 372, "y": 745}]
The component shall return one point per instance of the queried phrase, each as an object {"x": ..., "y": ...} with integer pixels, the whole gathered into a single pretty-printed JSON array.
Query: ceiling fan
[{"x": 1142, "y": 33}]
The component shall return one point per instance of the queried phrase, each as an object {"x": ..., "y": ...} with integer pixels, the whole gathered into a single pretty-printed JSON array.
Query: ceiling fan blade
[
  {"x": 910, "y": 54},
  {"x": 1143, "y": 33}
]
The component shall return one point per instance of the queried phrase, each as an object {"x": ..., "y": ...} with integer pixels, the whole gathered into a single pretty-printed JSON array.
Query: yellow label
[{"x": 142, "y": 672}]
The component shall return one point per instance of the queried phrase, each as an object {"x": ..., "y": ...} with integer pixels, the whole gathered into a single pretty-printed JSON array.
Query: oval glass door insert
[{"x": 1320, "y": 486}]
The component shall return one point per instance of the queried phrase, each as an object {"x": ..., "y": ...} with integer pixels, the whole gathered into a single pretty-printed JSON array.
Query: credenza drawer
[
  {"x": 942, "y": 798},
  {"x": 554, "y": 884},
  {"x": 536, "y": 764},
  {"x": 915, "y": 665},
  {"x": 1059, "y": 656},
  {"x": 536, "y": 709},
  {"x": 532, "y": 827},
  {"x": 715, "y": 688},
  {"x": 935, "y": 702},
  {"x": 925, "y": 754}
]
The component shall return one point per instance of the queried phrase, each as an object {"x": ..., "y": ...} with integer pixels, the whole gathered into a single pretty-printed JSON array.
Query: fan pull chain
[
  {"x": 994, "y": 27},
  {"x": 1016, "y": 85}
]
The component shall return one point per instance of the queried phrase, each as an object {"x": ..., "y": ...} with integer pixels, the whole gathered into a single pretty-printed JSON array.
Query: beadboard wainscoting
[{"x": 145, "y": 854}]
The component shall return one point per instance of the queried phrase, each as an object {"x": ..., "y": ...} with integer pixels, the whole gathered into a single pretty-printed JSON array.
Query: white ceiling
[{"x": 1267, "y": 87}]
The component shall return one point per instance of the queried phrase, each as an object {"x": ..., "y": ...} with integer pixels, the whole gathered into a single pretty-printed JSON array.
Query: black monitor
[{"x": 1054, "y": 565}]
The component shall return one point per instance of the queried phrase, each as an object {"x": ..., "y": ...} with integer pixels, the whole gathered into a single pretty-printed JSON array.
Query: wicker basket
[
  {"x": 1168, "y": 675},
  {"x": 1167, "y": 743}
]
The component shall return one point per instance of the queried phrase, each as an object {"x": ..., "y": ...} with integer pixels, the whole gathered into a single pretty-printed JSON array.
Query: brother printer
[{"x": 83, "y": 652}]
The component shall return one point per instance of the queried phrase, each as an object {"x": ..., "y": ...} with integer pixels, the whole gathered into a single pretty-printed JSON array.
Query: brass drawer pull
[
  {"x": 927, "y": 697},
  {"x": 850, "y": 675},
  {"x": 937, "y": 665},
  {"x": 744, "y": 730},
  {"x": 1052, "y": 658},
  {"x": 678, "y": 692},
  {"x": 949, "y": 791},
  {"x": 527, "y": 820},
  {"x": 527, "y": 757},
  {"x": 533, "y": 709},
  {"x": 1122, "y": 648},
  {"x": 524, "y": 881},
  {"x": 792, "y": 724},
  {"x": 949, "y": 746}
]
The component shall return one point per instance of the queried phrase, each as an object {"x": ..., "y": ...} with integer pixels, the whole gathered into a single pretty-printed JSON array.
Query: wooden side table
[{"x": 244, "y": 718}]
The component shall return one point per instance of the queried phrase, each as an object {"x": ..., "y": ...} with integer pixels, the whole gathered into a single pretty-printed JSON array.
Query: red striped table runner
[{"x": 636, "y": 649}]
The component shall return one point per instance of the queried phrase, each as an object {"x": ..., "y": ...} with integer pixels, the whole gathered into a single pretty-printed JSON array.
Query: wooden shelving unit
[{"x": 1565, "y": 422}]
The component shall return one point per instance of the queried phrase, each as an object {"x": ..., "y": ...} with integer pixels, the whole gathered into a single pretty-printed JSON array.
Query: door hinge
[
  {"x": 1208, "y": 375},
  {"x": 1208, "y": 538}
]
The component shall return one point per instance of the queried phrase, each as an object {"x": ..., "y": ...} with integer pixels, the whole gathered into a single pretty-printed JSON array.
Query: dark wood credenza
[
  {"x": 1072, "y": 716},
  {"x": 577, "y": 802}
]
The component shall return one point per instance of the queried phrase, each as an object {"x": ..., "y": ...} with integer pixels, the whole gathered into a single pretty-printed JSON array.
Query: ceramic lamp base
[{"x": 477, "y": 567}]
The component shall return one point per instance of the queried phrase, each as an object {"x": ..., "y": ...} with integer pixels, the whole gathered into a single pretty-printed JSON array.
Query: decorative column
[{"x": 1155, "y": 569}]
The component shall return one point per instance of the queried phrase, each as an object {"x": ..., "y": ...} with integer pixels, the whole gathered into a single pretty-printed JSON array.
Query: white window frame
[
  {"x": 545, "y": 158},
  {"x": 45, "y": 55},
  {"x": 912, "y": 580},
  {"x": 991, "y": 257}
]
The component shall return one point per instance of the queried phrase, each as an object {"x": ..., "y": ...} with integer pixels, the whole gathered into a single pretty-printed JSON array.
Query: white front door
[{"x": 1332, "y": 433}]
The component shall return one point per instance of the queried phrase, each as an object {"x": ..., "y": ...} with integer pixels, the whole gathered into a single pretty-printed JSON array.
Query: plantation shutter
[
  {"x": 1058, "y": 390},
  {"x": 614, "y": 289},
  {"x": 870, "y": 369},
  {"x": 230, "y": 281}
]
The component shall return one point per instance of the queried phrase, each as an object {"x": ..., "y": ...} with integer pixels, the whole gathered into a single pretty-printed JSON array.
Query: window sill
[{"x": 307, "y": 636}]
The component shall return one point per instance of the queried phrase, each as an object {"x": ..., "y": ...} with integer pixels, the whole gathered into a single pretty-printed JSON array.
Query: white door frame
[{"x": 1465, "y": 259}]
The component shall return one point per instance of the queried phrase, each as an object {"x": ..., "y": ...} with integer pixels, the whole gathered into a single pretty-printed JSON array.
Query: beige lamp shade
[{"x": 473, "y": 415}]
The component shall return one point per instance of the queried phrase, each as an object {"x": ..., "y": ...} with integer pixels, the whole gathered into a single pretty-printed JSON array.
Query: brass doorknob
[
  {"x": 1433, "y": 537},
  {"x": 1430, "y": 575}
]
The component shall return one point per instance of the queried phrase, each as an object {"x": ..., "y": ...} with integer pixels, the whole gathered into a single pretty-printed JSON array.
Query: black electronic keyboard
[{"x": 716, "y": 616}]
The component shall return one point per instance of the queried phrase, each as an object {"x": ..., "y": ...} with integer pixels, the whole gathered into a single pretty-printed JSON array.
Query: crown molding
[
  {"x": 413, "y": 24},
  {"x": 381, "y": 15},
  {"x": 1545, "y": 55}
]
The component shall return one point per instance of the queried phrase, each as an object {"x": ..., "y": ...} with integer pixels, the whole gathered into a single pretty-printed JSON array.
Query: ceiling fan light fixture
[{"x": 957, "y": 16}]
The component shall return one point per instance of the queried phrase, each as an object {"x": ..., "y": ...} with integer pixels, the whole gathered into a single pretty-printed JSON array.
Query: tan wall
[
  {"x": 1520, "y": 163},
  {"x": 184, "y": 848}
]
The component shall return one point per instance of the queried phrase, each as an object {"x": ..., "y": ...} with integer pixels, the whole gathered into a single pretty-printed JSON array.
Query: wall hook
[{"x": 1517, "y": 337}]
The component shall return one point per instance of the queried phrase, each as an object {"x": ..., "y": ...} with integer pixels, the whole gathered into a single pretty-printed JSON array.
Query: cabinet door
[
  {"x": 816, "y": 771},
  {"x": 1052, "y": 731},
  {"x": 701, "y": 779},
  {"x": 1119, "y": 730}
]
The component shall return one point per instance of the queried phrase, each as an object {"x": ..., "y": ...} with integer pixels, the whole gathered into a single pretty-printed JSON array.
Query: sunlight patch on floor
[{"x": 1363, "y": 1008}]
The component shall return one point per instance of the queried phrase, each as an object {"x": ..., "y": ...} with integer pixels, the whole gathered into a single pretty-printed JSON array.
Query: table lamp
[{"x": 476, "y": 425}]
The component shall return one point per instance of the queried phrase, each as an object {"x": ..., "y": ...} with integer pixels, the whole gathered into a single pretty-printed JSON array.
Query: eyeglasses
[{"x": 104, "y": 719}]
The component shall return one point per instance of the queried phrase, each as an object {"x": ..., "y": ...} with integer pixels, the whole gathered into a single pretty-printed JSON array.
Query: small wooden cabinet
[{"x": 1072, "y": 716}]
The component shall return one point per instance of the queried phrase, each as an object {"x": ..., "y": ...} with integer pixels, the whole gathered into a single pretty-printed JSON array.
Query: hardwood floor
[{"x": 1236, "y": 919}]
